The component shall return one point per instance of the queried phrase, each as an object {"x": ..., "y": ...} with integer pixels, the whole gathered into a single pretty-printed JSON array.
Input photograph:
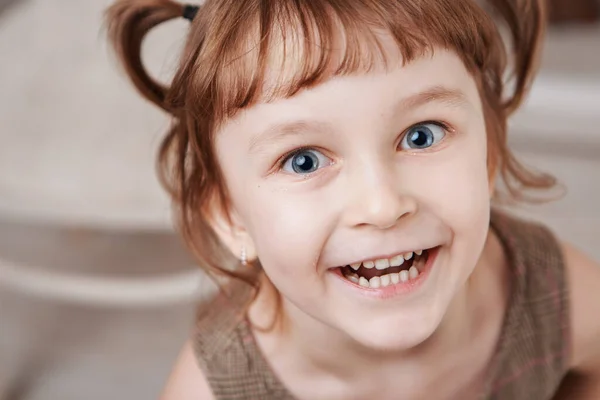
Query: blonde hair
[{"x": 231, "y": 42}]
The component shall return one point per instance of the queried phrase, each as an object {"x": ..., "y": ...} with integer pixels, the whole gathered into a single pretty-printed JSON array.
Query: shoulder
[
  {"x": 187, "y": 381},
  {"x": 214, "y": 348},
  {"x": 583, "y": 276}
]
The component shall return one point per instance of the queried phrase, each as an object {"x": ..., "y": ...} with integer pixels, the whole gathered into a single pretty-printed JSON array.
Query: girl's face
[{"x": 366, "y": 171}]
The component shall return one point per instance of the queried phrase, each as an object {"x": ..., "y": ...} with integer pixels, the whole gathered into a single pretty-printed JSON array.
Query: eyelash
[
  {"x": 441, "y": 124},
  {"x": 446, "y": 127}
]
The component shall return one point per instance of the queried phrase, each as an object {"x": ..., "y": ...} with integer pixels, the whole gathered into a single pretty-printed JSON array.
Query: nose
[{"x": 377, "y": 199}]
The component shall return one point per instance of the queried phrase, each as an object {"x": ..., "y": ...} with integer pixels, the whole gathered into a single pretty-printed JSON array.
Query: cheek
[
  {"x": 289, "y": 231},
  {"x": 455, "y": 187},
  {"x": 288, "y": 228},
  {"x": 461, "y": 191}
]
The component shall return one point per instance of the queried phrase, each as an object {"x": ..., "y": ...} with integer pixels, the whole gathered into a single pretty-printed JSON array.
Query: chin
[{"x": 394, "y": 334}]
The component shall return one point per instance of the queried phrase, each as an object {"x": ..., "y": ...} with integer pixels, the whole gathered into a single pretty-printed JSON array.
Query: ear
[{"x": 232, "y": 232}]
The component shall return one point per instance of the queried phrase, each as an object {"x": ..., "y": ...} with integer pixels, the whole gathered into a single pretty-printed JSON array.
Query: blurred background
[{"x": 96, "y": 292}]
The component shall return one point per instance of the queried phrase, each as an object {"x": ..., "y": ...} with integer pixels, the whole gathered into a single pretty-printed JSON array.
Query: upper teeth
[
  {"x": 383, "y": 263},
  {"x": 397, "y": 261}
]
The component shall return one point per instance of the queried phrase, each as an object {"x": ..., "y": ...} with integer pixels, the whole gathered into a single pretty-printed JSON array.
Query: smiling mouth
[{"x": 399, "y": 269}]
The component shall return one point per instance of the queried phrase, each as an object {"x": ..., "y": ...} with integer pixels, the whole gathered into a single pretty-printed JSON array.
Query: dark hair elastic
[{"x": 189, "y": 12}]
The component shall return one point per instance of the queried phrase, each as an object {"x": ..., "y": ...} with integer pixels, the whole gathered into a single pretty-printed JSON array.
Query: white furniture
[{"x": 78, "y": 146}]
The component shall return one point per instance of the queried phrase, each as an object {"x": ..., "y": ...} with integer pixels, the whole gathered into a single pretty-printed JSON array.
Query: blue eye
[
  {"x": 423, "y": 136},
  {"x": 305, "y": 162}
]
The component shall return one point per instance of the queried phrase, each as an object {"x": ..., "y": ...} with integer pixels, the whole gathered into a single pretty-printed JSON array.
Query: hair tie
[{"x": 189, "y": 12}]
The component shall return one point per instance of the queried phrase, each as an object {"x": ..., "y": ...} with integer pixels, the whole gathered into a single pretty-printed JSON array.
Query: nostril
[
  {"x": 376, "y": 199},
  {"x": 388, "y": 214}
]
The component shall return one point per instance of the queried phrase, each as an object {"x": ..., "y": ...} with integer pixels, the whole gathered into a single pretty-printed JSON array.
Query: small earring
[{"x": 243, "y": 256}]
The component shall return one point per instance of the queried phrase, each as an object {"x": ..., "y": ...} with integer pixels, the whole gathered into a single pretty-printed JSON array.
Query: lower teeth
[{"x": 384, "y": 280}]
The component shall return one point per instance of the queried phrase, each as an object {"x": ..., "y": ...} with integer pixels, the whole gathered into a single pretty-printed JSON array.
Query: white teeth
[
  {"x": 404, "y": 275},
  {"x": 419, "y": 264},
  {"x": 386, "y": 280},
  {"x": 368, "y": 264},
  {"x": 375, "y": 282},
  {"x": 382, "y": 264},
  {"x": 397, "y": 261},
  {"x": 353, "y": 277},
  {"x": 413, "y": 272}
]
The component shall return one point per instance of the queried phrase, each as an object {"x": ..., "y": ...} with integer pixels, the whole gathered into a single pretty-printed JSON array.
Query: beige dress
[{"x": 530, "y": 359}]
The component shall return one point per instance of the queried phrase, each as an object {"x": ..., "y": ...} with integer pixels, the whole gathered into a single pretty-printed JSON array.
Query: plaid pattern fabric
[
  {"x": 533, "y": 351},
  {"x": 531, "y": 356},
  {"x": 227, "y": 353}
]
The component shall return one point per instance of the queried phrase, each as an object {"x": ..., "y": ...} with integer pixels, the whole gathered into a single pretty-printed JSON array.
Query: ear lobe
[{"x": 233, "y": 235}]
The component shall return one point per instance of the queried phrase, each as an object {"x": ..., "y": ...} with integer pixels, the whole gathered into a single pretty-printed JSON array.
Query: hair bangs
[{"x": 276, "y": 48}]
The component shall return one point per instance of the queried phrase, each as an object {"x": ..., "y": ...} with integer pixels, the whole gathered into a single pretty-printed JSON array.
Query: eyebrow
[
  {"x": 438, "y": 94},
  {"x": 282, "y": 130}
]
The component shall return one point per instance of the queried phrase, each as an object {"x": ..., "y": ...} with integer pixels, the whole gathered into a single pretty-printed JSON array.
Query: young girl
[{"x": 333, "y": 164}]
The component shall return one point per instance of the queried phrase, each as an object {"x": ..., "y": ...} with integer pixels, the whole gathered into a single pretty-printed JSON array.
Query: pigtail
[
  {"x": 186, "y": 163},
  {"x": 526, "y": 23},
  {"x": 128, "y": 23}
]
